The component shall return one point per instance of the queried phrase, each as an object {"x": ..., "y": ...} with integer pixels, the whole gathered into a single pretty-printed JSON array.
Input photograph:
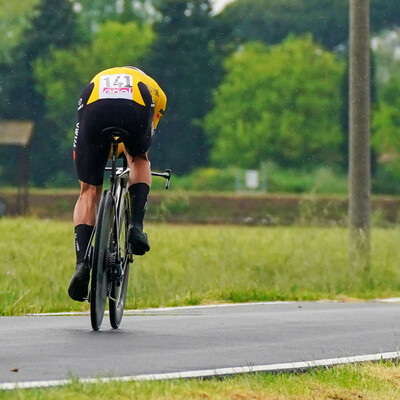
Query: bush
[
  {"x": 322, "y": 180},
  {"x": 327, "y": 181},
  {"x": 386, "y": 180},
  {"x": 208, "y": 179}
]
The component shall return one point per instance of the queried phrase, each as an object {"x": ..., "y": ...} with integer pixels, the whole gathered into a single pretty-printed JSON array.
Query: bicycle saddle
[{"x": 115, "y": 134}]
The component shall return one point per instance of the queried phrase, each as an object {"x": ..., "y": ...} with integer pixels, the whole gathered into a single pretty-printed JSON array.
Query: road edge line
[{"x": 209, "y": 373}]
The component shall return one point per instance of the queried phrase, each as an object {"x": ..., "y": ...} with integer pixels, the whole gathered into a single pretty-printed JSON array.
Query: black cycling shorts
[{"x": 91, "y": 148}]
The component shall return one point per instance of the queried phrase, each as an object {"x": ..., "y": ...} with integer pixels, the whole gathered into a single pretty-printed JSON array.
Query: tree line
[{"x": 261, "y": 81}]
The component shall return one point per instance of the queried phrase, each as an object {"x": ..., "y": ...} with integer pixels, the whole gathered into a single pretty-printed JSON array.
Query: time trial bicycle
[{"x": 108, "y": 252}]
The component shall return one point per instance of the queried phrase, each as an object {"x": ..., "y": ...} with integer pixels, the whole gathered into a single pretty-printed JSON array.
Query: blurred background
[
  {"x": 257, "y": 90},
  {"x": 255, "y": 131}
]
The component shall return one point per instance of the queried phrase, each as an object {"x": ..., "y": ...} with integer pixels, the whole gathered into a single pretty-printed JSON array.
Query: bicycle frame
[
  {"x": 123, "y": 174},
  {"x": 111, "y": 256}
]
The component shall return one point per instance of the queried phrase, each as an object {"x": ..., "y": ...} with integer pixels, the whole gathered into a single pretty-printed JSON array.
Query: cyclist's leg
[
  {"x": 87, "y": 203},
  {"x": 85, "y": 217},
  {"x": 84, "y": 220},
  {"x": 139, "y": 168},
  {"x": 139, "y": 188},
  {"x": 90, "y": 156},
  {"x": 136, "y": 150}
]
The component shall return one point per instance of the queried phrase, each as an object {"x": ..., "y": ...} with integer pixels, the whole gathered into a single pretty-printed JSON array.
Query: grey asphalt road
[{"x": 165, "y": 341}]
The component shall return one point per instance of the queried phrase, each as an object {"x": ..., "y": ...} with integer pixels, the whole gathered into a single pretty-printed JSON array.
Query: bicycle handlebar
[{"x": 166, "y": 175}]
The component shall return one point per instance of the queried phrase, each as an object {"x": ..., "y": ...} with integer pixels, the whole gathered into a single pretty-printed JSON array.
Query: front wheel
[
  {"x": 119, "y": 285},
  {"x": 104, "y": 245}
]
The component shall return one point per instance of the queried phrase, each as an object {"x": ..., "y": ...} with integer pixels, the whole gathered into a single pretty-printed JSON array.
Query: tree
[
  {"x": 14, "y": 19},
  {"x": 53, "y": 25},
  {"x": 93, "y": 13},
  {"x": 277, "y": 103},
  {"x": 386, "y": 124},
  {"x": 385, "y": 47},
  {"x": 185, "y": 64},
  {"x": 270, "y": 22}
]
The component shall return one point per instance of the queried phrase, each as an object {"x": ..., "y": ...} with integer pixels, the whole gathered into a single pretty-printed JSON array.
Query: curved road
[{"x": 42, "y": 348}]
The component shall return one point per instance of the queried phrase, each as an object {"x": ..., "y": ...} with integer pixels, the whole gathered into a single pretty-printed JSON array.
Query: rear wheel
[
  {"x": 119, "y": 285},
  {"x": 104, "y": 245}
]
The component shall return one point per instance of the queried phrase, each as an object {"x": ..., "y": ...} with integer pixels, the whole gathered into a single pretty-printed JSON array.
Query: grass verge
[
  {"x": 348, "y": 382},
  {"x": 190, "y": 265}
]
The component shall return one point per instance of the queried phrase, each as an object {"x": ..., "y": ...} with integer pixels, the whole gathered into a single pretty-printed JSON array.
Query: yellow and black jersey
[{"x": 122, "y": 83}]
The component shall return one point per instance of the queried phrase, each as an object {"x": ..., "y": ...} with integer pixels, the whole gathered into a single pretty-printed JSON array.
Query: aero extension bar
[{"x": 166, "y": 174}]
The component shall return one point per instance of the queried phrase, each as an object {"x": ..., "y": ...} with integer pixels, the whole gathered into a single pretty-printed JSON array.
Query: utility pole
[{"x": 359, "y": 141}]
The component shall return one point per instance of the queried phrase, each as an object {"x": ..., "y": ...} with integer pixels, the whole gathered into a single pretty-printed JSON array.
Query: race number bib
[{"x": 116, "y": 86}]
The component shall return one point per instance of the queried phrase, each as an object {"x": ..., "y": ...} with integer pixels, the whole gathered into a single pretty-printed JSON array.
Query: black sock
[
  {"x": 82, "y": 237},
  {"x": 139, "y": 193}
]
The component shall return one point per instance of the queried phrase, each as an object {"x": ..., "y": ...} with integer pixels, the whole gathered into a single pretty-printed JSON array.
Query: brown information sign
[{"x": 17, "y": 133}]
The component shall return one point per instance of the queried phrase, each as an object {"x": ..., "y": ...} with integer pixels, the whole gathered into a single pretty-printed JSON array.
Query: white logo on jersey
[
  {"x": 80, "y": 104},
  {"x": 76, "y": 134},
  {"x": 116, "y": 86}
]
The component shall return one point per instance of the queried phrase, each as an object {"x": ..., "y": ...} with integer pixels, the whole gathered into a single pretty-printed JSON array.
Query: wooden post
[{"x": 359, "y": 141}]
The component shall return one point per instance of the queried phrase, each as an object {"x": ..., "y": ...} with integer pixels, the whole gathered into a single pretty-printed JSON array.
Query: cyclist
[{"x": 127, "y": 98}]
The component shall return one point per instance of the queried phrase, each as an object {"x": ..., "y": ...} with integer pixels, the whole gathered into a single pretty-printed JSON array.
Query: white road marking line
[
  {"x": 140, "y": 311},
  {"x": 152, "y": 310},
  {"x": 390, "y": 300},
  {"x": 207, "y": 373}
]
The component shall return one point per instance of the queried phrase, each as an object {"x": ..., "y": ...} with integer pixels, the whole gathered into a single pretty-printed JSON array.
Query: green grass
[
  {"x": 367, "y": 381},
  {"x": 198, "y": 264}
]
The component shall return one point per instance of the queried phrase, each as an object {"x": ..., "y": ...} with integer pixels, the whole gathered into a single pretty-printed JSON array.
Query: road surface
[{"x": 42, "y": 348}]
